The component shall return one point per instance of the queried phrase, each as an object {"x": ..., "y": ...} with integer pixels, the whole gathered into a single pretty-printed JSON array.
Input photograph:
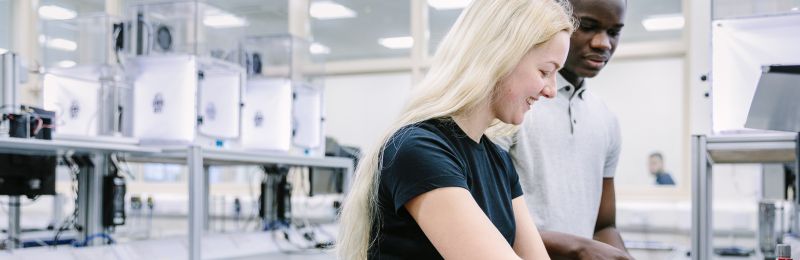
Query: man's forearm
[
  {"x": 610, "y": 235},
  {"x": 561, "y": 245}
]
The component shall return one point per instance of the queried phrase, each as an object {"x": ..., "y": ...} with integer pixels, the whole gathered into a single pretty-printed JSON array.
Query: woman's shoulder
[
  {"x": 425, "y": 131},
  {"x": 418, "y": 138}
]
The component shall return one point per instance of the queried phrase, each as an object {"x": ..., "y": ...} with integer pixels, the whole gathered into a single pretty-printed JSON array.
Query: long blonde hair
[{"x": 483, "y": 46}]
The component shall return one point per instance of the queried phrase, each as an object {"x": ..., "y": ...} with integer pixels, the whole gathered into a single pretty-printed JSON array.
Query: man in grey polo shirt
[{"x": 567, "y": 149}]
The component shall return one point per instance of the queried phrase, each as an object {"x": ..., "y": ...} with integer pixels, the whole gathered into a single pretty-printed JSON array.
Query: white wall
[
  {"x": 359, "y": 108},
  {"x": 647, "y": 97},
  {"x": 5, "y": 24}
]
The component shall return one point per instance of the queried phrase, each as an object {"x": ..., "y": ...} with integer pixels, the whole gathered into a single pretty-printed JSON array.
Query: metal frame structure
[
  {"x": 195, "y": 157},
  {"x": 731, "y": 149},
  {"x": 89, "y": 180}
]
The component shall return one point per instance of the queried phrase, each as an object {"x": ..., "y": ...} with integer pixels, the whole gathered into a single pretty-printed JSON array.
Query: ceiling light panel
[{"x": 327, "y": 10}]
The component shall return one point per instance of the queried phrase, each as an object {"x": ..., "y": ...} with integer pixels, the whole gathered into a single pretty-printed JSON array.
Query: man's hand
[{"x": 595, "y": 250}]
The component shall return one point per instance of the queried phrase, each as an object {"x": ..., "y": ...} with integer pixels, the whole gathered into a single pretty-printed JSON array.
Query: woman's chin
[{"x": 516, "y": 120}]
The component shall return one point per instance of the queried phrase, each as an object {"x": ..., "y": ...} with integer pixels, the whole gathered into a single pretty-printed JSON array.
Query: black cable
[
  {"x": 117, "y": 48},
  {"x": 298, "y": 249},
  {"x": 254, "y": 201},
  {"x": 70, "y": 222}
]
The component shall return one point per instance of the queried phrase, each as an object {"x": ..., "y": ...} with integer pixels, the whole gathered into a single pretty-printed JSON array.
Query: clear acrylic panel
[
  {"x": 653, "y": 20},
  {"x": 83, "y": 83},
  {"x": 185, "y": 27},
  {"x": 282, "y": 56},
  {"x": 263, "y": 16},
  {"x": 728, "y": 9},
  {"x": 76, "y": 7},
  {"x": 359, "y": 27},
  {"x": 637, "y": 12},
  {"x": 85, "y": 40},
  {"x": 440, "y": 22}
]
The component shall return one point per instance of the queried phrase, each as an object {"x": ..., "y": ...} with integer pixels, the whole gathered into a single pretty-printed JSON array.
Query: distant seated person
[{"x": 656, "y": 166}]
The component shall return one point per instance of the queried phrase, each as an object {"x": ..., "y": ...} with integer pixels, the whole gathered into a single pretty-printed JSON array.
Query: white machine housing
[
  {"x": 267, "y": 121},
  {"x": 183, "y": 99},
  {"x": 86, "y": 86},
  {"x": 76, "y": 101},
  {"x": 284, "y": 109}
]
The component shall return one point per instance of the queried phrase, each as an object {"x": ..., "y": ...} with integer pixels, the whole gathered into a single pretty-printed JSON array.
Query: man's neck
[{"x": 572, "y": 78}]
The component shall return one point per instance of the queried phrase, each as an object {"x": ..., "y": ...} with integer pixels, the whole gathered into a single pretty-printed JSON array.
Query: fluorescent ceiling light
[
  {"x": 329, "y": 10},
  {"x": 663, "y": 22},
  {"x": 404, "y": 42},
  {"x": 3, "y": 50},
  {"x": 448, "y": 4},
  {"x": 224, "y": 20},
  {"x": 66, "y": 64},
  {"x": 795, "y": 9},
  {"x": 62, "y": 44},
  {"x": 54, "y": 12},
  {"x": 317, "y": 48}
]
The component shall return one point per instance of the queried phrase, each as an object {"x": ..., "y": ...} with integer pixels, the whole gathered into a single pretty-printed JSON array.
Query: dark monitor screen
[{"x": 325, "y": 181}]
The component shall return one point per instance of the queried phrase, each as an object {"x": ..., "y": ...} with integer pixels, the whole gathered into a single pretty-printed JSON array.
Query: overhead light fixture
[
  {"x": 663, "y": 22},
  {"x": 54, "y": 12},
  {"x": 3, "y": 50},
  {"x": 448, "y": 4},
  {"x": 317, "y": 48},
  {"x": 326, "y": 10},
  {"x": 61, "y": 44},
  {"x": 795, "y": 9},
  {"x": 66, "y": 64},
  {"x": 220, "y": 19},
  {"x": 404, "y": 42}
]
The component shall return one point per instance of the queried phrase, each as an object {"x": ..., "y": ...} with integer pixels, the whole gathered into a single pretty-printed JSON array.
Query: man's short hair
[{"x": 658, "y": 155}]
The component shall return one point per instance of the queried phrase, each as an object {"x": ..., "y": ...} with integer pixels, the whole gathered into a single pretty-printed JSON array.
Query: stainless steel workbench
[
  {"x": 773, "y": 147},
  {"x": 195, "y": 157}
]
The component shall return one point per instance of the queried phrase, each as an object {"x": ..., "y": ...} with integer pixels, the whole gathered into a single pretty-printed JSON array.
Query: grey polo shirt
[{"x": 562, "y": 152}]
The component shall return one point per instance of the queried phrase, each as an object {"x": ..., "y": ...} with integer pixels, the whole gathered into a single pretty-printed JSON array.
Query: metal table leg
[
  {"x": 196, "y": 207},
  {"x": 95, "y": 224},
  {"x": 348, "y": 179},
  {"x": 13, "y": 223},
  {"x": 796, "y": 223},
  {"x": 701, "y": 200},
  {"x": 90, "y": 196},
  {"x": 206, "y": 215}
]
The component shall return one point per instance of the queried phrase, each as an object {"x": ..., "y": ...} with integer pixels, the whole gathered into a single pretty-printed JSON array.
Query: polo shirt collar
[{"x": 567, "y": 89}]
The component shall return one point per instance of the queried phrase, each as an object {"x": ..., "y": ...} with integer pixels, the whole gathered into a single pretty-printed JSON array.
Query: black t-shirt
[{"x": 434, "y": 154}]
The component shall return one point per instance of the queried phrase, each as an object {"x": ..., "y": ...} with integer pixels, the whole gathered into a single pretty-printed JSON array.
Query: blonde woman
[{"x": 435, "y": 186}]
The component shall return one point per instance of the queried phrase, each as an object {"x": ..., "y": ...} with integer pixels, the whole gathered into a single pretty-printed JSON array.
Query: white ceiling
[{"x": 357, "y": 38}]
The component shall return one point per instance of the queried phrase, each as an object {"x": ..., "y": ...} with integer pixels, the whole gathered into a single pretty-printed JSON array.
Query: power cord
[
  {"x": 70, "y": 222},
  {"x": 107, "y": 238}
]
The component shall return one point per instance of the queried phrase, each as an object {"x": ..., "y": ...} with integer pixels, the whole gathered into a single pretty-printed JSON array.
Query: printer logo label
[
  {"x": 211, "y": 111},
  {"x": 158, "y": 103},
  {"x": 74, "y": 109},
  {"x": 259, "y": 119}
]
